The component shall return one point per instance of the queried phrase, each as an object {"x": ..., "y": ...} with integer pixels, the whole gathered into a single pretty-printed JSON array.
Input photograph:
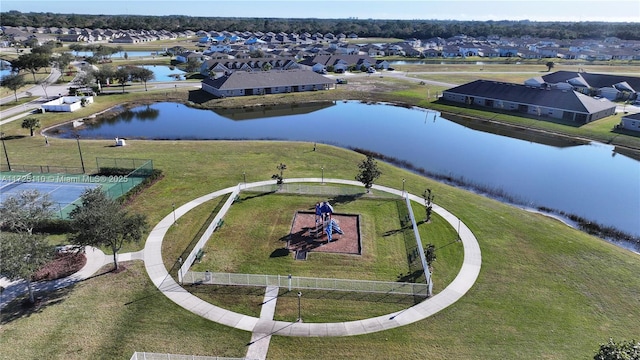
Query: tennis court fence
[
  {"x": 298, "y": 282},
  {"x": 64, "y": 185}
]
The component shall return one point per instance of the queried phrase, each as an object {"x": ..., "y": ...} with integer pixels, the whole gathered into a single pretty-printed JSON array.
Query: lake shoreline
[{"x": 510, "y": 130}]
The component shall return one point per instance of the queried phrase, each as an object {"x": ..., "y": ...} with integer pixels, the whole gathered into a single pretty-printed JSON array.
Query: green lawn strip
[
  {"x": 182, "y": 237},
  {"x": 109, "y": 317},
  {"x": 449, "y": 251},
  {"x": 21, "y": 100}
]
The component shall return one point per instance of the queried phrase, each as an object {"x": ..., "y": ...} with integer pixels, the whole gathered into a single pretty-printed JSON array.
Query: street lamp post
[
  {"x": 322, "y": 174},
  {"x": 244, "y": 177},
  {"x": 299, "y": 309},
  {"x": 80, "y": 151},
  {"x": 403, "y": 180},
  {"x": 173, "y": 205},
  {"x": 4, "y": 147}
]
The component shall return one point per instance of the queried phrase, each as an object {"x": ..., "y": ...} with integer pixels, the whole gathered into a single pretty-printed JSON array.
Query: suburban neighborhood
[{"x": 280, "y": 188}]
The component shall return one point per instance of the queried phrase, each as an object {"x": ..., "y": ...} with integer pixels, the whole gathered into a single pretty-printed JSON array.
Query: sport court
[{"x": 63, "y": 190}]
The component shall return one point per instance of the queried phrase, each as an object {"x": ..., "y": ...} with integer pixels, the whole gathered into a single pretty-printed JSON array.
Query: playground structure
[
  {"x": 325, "y": 221},
  {"x": 265, "y": 327}
]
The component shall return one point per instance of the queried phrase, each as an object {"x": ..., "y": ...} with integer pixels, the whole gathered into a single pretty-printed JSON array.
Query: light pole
[
  {"x": 80, "y": 151},
  {"x": 244, "y": 177},
  {"x": 299, "y": 309},
  {"x": 173, "y": 205},
  {"x": 4, "y": 147},
  {"x": 403, "y": 180},
  {"x": 322, "y": 174}
]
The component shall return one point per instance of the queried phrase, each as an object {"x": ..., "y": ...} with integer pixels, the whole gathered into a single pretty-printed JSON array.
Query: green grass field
[{"x": 545, "y": 291}]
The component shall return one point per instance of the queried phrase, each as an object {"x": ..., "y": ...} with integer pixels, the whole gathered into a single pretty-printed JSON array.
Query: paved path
[
  {"x": 96, "y": 259},
  {"x": 264, "y": 326}
]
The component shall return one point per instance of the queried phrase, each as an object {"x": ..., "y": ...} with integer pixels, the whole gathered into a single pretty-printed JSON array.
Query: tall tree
[
  {"x": 44, "y": 83},
  {"x": 192, "y": 65},
  {"x": 102, "y": 221},
  {"x": 550, "y": 65},
  {"x": 13, "y": 82},
  {"x": 31, "y": 124},
  {"x": 142, "y": 74},
  {"x": 32, "y": 63},
  {"x": 22, "y": 255},
  {"x": 369, "y": 172},
  {"x": 77, "y": 48},
  {"x": 63, "y": 61},
  {"x": 123, "y": 75},
  {"x": 104, "y": 75},
  {"x": 22, "y": 212}
]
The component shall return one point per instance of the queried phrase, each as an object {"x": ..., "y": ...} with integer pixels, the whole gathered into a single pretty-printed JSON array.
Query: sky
[{"x": 464, "y": 10}]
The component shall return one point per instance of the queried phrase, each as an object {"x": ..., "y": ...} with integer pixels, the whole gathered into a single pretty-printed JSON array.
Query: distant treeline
[{"x": 403, "y": 29}]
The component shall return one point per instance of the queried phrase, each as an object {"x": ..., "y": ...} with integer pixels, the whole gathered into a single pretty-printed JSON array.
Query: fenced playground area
[
  {"x": 64, "y": 186},
  {"x": 321, "y": 230}
]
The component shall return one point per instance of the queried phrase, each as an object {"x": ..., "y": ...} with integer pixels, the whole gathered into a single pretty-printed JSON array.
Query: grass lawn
[
  {"x": 544, "y": 291},
  {"x": 109, "y": 317}
]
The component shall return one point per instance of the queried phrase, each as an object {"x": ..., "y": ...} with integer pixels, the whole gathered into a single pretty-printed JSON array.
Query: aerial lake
[{"x": 590, "y": 180}]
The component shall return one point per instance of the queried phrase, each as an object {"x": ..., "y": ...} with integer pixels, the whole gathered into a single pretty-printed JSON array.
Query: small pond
[{"x": 165, "y": 73}]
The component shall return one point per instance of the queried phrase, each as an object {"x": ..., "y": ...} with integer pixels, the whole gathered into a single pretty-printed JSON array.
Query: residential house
[
  {"x": 612, "y": 87},
  {"x": 541, "y": 102},
  {"x": 630, "y": 122},
  {"x": 338, "y": 62},
  {"x": 221, "y": 67},
  {"x": 184, "y": 57},
  {"x": 243, "y": 83}
]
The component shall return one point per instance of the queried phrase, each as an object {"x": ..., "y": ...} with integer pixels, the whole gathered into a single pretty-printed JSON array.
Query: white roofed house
[
  {"x": 243, "y": 83},
  {"x": 187, "y": 55},
  {"x": 630, "y": 122}
]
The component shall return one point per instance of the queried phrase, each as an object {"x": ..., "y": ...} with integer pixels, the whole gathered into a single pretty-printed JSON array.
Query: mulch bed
[
  {"x": 63, "y": 265},
  {"x": 303, "y": 237}
]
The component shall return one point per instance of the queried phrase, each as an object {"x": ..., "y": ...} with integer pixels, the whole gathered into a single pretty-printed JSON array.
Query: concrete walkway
[
  {"x": 265, "y": 326},
  {"x": 96, "y": 259},
  {"x": 259, "y": 345}
]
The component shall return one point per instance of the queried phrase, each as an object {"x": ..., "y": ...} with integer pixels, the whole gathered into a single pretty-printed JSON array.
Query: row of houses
[
  {"x": 570, "y": 96},
  {"x": 18, "y": 35},
  {"x": 459, "y": 46}
]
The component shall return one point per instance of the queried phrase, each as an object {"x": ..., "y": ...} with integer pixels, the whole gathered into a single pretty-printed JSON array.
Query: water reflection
[
  {"x": 261, "y": 112},
  {"x": 573, "y": 177}
]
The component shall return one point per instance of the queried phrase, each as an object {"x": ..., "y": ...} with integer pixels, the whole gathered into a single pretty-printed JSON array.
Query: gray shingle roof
[
  {"x": 553, "y": 98},
  {"x": 266, "y": 79}
]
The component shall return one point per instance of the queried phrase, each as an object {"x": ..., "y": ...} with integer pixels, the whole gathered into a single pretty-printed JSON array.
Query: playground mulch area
[{"x": 303, "y": 236}]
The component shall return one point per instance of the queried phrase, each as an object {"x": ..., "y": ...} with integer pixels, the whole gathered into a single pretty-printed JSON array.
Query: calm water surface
[{"x": 587, "y": 180}]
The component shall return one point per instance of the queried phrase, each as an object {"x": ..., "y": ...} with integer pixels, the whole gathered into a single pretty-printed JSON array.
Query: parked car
[
  {"x": 341, "y": 81},
  {"x": 371, "y": 70}
]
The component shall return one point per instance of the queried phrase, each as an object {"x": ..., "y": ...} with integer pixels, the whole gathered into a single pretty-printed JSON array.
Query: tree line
[{"x": 421, "y": 29}]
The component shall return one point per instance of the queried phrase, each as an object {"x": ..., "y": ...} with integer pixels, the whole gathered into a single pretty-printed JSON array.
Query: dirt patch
[{"x": 304, "y": 237}]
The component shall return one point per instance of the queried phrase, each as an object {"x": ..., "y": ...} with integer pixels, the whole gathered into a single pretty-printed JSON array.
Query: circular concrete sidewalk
[{"x": 164, "y": 282}]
